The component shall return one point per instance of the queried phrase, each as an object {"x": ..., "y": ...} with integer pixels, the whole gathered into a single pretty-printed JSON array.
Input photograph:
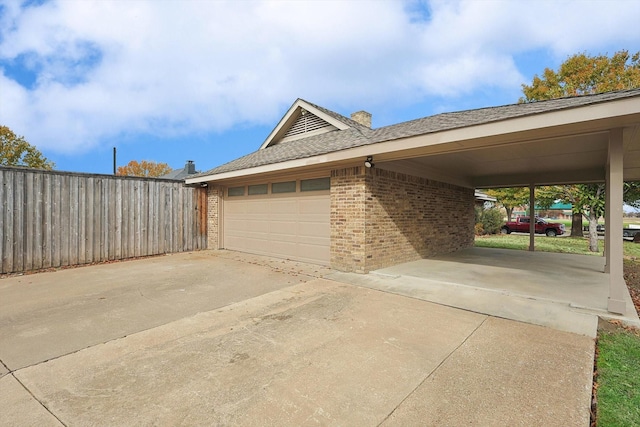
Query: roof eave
[{"x": 581, "y": 119}]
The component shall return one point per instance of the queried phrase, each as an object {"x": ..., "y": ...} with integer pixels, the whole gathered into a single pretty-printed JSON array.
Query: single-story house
[
  {"x": 482, "y": 199},
  {"x": 328, "y": 189},
  {"x": 180, "y": 174},
  {"x": 557, "y": 210}
]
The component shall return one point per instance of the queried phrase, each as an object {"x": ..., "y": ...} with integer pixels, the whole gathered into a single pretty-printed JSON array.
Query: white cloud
[{"x": 176, "y": 67}]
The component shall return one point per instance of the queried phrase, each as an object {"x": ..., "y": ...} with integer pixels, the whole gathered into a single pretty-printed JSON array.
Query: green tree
[
  {"x": 510, "y": 198},
  {"x": 590, "y": 198},
  {"x": 16, "y": 151},
  {"x": 566, "y": 194},
  {"x": 583, "y": 74},
  {"x": 144, "y": 168},
  {"x": 588, "y": 201}
]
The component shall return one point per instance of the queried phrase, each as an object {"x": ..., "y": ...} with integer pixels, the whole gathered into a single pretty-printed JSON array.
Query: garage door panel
[
  {"x": 282, "y": 248},
  {"x": 250, "y": 244},
  {"x": 283, "y": 206},
  {"x": 314, "y": 229},
  {"x": 293, "y": 227},
  {"x": 256, "y": 226},
  {"x": 237, "y": 207},
  {"x": 311, "y": 252},
  {"x": 315, "y": 205},
  {"x": 284, "y": 228}
]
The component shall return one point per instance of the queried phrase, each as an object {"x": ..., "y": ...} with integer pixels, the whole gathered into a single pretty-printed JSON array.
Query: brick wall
[
  {"x": 348, "y": 220},
  {"x": 214, "y": 193},
  {"x": 381, "y": 218}
]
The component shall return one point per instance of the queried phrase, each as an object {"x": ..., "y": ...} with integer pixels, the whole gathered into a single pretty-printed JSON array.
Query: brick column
[
  {"x": 348, "y": 187},
  {"x": 214, "y": 196}
]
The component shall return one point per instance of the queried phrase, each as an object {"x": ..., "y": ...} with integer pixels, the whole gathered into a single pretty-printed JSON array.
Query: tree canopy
[
  {"x": 510, "y": 198},
  {"x": 16, "y": 151},
  {"x": 144, "y": 168},
  {"x": 583, "y": 74}
]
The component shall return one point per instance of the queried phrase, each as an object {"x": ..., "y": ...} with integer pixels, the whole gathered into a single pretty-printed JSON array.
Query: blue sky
[{"x": 208, "y": 80}]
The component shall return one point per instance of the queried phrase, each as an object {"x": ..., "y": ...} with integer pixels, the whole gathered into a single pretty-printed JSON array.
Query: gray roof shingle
[{"x": 358, "y": 135}]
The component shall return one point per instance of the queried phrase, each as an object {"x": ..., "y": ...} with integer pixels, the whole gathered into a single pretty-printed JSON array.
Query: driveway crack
[
  {"x": 442, "y": 362},
  {"x": 5, "y": 366},
  {"x": 38, "y": 400}
]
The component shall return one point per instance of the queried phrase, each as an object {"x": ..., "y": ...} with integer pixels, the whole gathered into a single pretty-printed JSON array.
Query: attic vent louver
[{"x": 307, "y": 122}]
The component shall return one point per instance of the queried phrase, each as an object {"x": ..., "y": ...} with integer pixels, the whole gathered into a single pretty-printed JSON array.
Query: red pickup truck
[{"x": 521, "y": 225}]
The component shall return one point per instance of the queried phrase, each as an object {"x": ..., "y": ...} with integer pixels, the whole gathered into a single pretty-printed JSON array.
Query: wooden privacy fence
[{"x": 53, "y": 219}]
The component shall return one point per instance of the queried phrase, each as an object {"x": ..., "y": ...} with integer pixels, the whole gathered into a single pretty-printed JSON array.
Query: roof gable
[{"x": 303, "y": 120}]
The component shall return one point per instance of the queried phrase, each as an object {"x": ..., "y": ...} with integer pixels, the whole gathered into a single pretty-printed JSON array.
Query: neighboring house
[
  {"x": 555, "y": 211},
  {"x": 180, "y": 174},
  {"x": 483, "y": 199},
  {"x": 329, "y": 189}
]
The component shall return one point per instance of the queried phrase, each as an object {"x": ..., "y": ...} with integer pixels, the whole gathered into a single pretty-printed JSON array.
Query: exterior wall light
[{"x": 369, "y": 162}]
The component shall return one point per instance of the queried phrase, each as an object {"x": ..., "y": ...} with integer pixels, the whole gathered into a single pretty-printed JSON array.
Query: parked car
[
  {"x": 599, "y": 228},
  {"x": 521, "y": 224},
  {"x": 630, "y": 233}
]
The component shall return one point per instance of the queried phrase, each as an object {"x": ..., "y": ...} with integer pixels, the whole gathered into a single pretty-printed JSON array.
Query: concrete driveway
[{"x": 220, "y": 338}]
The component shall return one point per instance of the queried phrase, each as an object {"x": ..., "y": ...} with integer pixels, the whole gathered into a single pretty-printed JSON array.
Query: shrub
[{"x": 490, "y": 221}]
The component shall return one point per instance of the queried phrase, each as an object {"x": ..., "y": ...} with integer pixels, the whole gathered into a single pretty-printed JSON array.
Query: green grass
[
  {"x": 570, "y": 245},
  {"x": 618, "y": 378},
  {"x": 567, "y": 222}
]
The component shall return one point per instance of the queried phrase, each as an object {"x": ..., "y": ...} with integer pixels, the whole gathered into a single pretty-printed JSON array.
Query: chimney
[
  {"x": 190, "y": 167},
  {"x": 362, "y": 117}
]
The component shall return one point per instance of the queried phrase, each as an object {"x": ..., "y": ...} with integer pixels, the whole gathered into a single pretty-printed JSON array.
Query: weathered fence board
[{"x": 55, "y": 219}]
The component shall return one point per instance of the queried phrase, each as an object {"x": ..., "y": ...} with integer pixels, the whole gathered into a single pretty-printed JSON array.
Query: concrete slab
[
  {"x": 314, "y": 353},
  {"x": 47, "y": 315},
  {"x": 562, "y": 291},
  {"x": 222, "y": 338},
  {"x": 20, "y": 409},
  {"x": 562, "y": 278},
  {"x": 506, "y": 373},
  {"x": 480, "y": 300}
]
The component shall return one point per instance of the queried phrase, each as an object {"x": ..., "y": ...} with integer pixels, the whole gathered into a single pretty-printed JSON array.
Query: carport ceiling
[{"x": 576, "y": 158}]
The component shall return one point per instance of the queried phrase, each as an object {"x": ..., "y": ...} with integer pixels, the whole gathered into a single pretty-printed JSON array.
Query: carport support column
[
  {"x": 532, "y": 217},
  {"x": 613, "y": 240}
]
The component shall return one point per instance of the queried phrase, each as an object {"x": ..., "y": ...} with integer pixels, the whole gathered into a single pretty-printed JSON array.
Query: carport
[
  {"x": 586, "y": 144},
  {"x": 584, "y": 139}
]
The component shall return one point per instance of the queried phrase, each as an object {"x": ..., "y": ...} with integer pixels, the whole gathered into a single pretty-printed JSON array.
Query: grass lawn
[
  {"x": 617, "y": 376},
  {"x": 571, "y": 245}
]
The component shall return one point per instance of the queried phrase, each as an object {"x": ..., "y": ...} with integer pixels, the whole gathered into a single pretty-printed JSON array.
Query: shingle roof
[
  {"x": 343, "y": 119},
  {"x": 358, "y": 135}
]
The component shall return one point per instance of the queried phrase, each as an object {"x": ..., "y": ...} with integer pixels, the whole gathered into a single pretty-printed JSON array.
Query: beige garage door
[{"x": 293, "y": 225}]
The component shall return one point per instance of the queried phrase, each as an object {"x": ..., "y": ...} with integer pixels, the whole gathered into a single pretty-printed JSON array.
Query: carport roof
[{"x": 351, "y": 134}]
